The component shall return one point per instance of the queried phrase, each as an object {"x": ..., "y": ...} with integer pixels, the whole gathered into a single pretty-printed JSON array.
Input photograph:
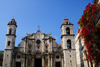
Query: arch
[
  {"x": 10, "y": 31},
  {"x": 67, "y": 30},
  {"x": 11, "y": 22},
  {"x": 9, "y": 43},
  {"x": 69, "y": 44},
  {"x": 66, "y": 22}
]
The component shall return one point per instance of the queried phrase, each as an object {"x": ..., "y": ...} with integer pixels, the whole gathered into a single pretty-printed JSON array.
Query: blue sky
[{"x": 48, "y": 14}]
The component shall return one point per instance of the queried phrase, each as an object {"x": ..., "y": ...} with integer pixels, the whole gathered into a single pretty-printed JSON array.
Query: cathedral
[{"x": 40, "y": 49}]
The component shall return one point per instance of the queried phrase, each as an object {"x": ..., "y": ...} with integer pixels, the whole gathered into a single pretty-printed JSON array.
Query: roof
[
  {"x": 12, "y": 22},
  {"x": 66, "y": 21},
  {"x": 59, "y": 44}
]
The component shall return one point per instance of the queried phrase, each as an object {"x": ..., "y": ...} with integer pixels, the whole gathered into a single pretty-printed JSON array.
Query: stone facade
[{"x": 40, "y": 49}]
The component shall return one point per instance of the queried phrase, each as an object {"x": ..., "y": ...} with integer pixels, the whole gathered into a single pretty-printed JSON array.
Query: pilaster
[
  {"x": 49, "y": 64},
  {"x": 42, "y": 61},
  {"x": 51, "y": 60},
  {"x": 62, "y": 59}
]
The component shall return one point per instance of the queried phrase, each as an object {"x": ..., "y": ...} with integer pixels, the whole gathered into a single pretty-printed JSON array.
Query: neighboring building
[
  {"x": 81, "y": 54},
  {"x": 40, "y": 49},
  {"x": 81, "y": 51},
  {"x": 1, "y": 58}
]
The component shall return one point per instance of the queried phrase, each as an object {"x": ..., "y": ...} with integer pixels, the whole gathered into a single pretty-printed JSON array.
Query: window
[
  {"x": 10, "y": 31},
  {"x": 67, "y": 23},
  {"x": 70, "y": 62},
  {"x": 57, "y": 57},
  {"x": 11, "y": 22},
  {"x": 38, "y": 41},
  {"x": 18, "y": 57},
  {"x": 69, "y": 44},
  {"x": 67, "y": 30},
  {"x": 9, "y": 43}
]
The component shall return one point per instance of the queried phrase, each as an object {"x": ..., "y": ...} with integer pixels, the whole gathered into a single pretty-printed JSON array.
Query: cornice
[
  {"x": 10, "y": 35},
  {"x": 67, "y": 35},
  {"x": 66, "y": 24},
  {"x": 13, "y": 24}
]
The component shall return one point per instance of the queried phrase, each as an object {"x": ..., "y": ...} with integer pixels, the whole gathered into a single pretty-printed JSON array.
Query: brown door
[
  {"x": 57, "y": 64},
  {"x": 18, "y": 64}
]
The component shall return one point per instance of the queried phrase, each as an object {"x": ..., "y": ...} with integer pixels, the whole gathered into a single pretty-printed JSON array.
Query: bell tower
[
  {"x": 10, "y": 43},
  {"x": 68, "y": 44}
]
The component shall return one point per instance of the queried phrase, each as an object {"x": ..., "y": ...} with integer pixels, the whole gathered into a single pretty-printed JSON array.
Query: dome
[
  {"x": 66, "y": 21},
  {"x": 12, "y": 21}
]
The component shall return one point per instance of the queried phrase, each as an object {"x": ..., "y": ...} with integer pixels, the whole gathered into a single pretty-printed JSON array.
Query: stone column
[
  {"x": 49, "y": 61},
  {"x": 42, "y": 61},
  {"x": 33, "y": 46},
  {"x": 62, "y": 59},
  {"x": 23, "y": 62}
]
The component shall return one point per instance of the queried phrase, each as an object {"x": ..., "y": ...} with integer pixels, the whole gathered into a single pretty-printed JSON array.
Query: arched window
[
  {"x": 69, "y": 44},
  {"x": 67, "y": 23},
  {"x": 11, "y": 22},
  {"x": 9, "y": 43},
  {"x": 10, "y": 31},
  {"x": 68, "y": 30}
]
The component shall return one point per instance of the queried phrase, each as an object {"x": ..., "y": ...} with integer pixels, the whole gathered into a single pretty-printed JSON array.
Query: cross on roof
[{"x": 38, "y": 27}]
